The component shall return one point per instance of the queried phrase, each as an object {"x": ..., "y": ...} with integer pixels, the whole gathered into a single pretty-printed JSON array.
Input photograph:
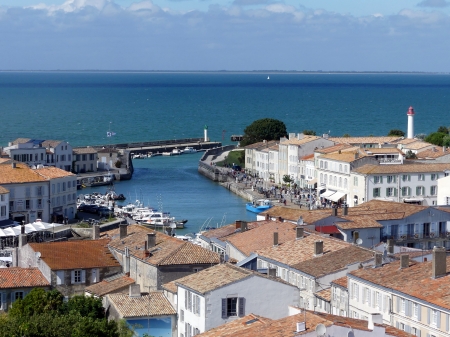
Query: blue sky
[{"x": 344, "y": 35}]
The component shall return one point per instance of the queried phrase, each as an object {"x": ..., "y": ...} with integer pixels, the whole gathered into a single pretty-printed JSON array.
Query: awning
[
  {"x": 336, "y": 196},
  {"x": 327, "y": 229},
  {"x": 327, "y": 194},
  {"x": 413, "y": 199},
  {"x": 312, "y": 182}
]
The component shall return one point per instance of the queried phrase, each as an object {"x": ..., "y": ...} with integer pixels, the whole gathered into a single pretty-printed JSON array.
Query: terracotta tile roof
[
  {"x": 405, "y": 168},
  {"x": 382, "y": 150},
  {"x": 20, "y": 141},
  {"x": 76, "y": 254},
  {"x": 16, "y": 277},
  {"x": 84, "y": 150},
  {"x": 299, "y": 254},
  {"x": 51, "y": 143},
  {"x": 364, "y": 140},
  {"x": 171, "y": 286},
  {"x": 218, "y": 276},
  {"x": 235, "y": 328},
  {"x": 417, "y": 145},
  {"x": 287, "y": 326},
  {"x": 335, "y": 148},
  {"x": 309, "y": 157},
  {"x": 324, "y": 294},
  {"x": 434, "y": 152},
  {"x": 3, "y": 190},
  {"x": 293, "y": 214},
  {"x": 107, "y": 150},
  {"x": 20, "y": 174},
  {"x": 406, "y": 140},
  {"x": 152, "y": 304},
  {"x": 296, "y": 141},
  {"x": 51, "y": 172},
  {"x": 105, "y": 287},
  {"x": 227, "y": 230},
  {"x": 444, "y": 209},
  {"x": 344, "y": 156},
  {"x": 356, "y": 222},
  {"x": 168, "y": 250},
  {"x": 341, "y": 282},
  {"x": 416, "y": 280},
  {"x": 382, "y": 207},
  {"x": 261, "y": 144},
  {"x": 261, "y": 237}
]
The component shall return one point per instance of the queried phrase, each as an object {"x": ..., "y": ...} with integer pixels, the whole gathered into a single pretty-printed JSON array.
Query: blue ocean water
[{"x": 81, "y": 107}]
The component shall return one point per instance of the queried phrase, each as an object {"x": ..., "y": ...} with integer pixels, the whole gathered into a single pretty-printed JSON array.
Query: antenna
[
  {"x": 359, "y": 241},
  {"x": 321, "y": 330}
]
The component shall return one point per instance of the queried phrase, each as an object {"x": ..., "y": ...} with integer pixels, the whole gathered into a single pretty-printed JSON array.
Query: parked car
[{"x": 236, "y": 168}]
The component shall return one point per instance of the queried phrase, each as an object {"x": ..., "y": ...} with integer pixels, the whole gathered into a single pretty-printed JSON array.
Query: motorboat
[
  {"x": 189, "y": 149},
  {"x": 161, "y": 219},
  {"x": 258, "y": 206},
  {"x": 176, "y": 151}
]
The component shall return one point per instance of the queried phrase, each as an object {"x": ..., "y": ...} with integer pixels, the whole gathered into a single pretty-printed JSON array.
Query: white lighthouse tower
[
  {"x": 205, "y": 131},
  {"x": 410, "y": 114}
]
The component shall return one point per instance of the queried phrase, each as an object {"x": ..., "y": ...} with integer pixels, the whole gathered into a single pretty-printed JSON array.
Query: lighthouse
[
  {"x": 205, "y": 131},
  {"x": 410, "y": 114}
]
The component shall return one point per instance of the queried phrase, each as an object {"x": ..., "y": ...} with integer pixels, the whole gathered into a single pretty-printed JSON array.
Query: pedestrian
[{"x": 284, "y": 202}]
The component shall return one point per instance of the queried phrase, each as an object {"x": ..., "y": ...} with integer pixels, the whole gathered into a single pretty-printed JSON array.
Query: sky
[{"x": 241, "y": 35}]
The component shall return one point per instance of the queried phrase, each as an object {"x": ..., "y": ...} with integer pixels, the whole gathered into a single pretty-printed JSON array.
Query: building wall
[
  {"x": 63, "y": 196},
  {"x": 443, "y": 196},
  {"x": 8, "y": 296},
  {"x": 4, "y": 205},
  {"x": 339, "y": 300},
  {"x": 235, "y": 253}
]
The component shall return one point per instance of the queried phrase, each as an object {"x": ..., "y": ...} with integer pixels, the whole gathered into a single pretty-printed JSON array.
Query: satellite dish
[
  {"x": 300, "y": 221},
  {"x": 385, "y": 254},
  {"x": 359, "y": 241},
  {"x": 38, "y": 255},
  {"x": 321, "y": 330}
]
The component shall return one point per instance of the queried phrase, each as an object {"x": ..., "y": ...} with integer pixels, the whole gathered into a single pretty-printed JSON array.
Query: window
[
  {"x": 367, "y": 295},
  {"x": 421, "y": 177},
  {"x": 420, "y": 190},
  {"x": 355, "y": 181},
  {"x": 406, "y": 177},
  {"x": 18, "y": 295},
  {"x": 355, "y": 291},
  {"x": 39, "y": 191},
  {"x": 233, "y": 306},
  {"x": 78, "y": 276},
  {"x": 27, "y": 204},
  {"x": 434, "y": 176},
  {"x": 391, "y": 179},
  {"x": 403, "y": 305},
  {"x": 11, "y": 205},
  {"x": 376, "y": 192},
  {"x": 433, "y": 190},
  {"x": 378, "y": 300},
  {"x": 182, "y": 315},
  {"x": 416, "y": 310},
  {"x": 3, "y": 211},
  {"x": 434, "y": 317},
  {"x": 391, "y": 192},
  {"x": 378, "y": 179},
  {"x": 406, "y": 191}
]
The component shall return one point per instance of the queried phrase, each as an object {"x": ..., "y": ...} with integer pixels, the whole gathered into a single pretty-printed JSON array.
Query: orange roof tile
[
  {"x": 105, "y": 287},
  {"x": 293, "y": 214},
  {"x": 3, "y": 190},
  {"x": 152, "y": 304},
  {"x": 404, "y": 168},
  {"x": 167, "y": 251},
  {"x": 22, "y": 278},
  {"x": 334, "y": 148},
  {"x": 76, "y": 254},
  {"x": 50, "y": 172},
  {"x": 227, "y": 230},
  {"x": 20, "y": 174},
  {"x": 324, "y": 294},
  {"x": 235, "y": 328},
  {"x": 342, "y": 282},
  {"x": 365, "y": 140}
]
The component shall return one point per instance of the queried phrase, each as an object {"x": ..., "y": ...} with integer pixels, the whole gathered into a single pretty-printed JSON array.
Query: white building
[
  {"x": 443, "y": 192},
  {"x": 409, "y": 295},
  {"x": 251, "y": 163},
  {"x": 223, "y": 293},
  {"x": 414, "y": 183},
  {"x": 31, "y": 152},
  {"x": 4, "y": 204}
]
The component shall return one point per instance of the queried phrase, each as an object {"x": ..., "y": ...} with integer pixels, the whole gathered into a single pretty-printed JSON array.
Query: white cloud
[{"x": 73, "y": 5}]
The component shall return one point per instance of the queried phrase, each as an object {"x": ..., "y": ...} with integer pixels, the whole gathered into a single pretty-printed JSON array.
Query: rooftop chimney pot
[
  {"x": 123, "y": 231},
  {"x": 275, "y": 238},
  {"x": 404, "y": 261},
  {"x": 439, "y": 264},
  {"x": 318, "y": 248},
  {"x": 299, "y": 232},
  {"x": 151, "y": 240}
]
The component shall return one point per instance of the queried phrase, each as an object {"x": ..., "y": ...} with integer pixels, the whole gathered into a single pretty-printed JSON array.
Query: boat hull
[{"x": 256, "y": 209}]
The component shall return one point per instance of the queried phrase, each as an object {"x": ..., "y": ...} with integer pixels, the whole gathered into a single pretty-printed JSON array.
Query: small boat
[
  {"x": 268, "y": 77},
  {"x": 176, "y": 151},
  {"x": 258, "y": 206},
  {"x": 189, "y": 149}
]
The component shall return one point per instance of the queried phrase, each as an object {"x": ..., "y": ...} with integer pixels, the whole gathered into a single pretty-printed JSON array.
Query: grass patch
[{"x": 237, "y": 157}]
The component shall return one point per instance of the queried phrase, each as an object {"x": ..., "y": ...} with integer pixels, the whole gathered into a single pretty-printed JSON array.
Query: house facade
[{"x": 84, "y": 160}]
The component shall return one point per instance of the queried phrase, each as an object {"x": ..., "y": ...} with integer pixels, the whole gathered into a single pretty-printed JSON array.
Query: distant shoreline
[{"x": 230, "y": 72}]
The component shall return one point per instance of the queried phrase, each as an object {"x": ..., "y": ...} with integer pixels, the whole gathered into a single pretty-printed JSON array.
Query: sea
[{"x": 81, "y": 107}]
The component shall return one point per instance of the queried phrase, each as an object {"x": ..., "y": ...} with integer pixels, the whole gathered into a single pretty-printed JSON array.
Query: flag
[{"x": 110, "y": 134}]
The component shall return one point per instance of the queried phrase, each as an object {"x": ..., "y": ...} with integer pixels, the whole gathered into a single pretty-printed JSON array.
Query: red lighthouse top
[{"x": 410, "y": 111}]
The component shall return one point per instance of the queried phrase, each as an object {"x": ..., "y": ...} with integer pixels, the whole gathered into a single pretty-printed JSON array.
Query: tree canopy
[
  {"x": 436, "y": 138},
  {"x": 263, "y": 129},
  {"x": 44, "y": 314},
  {"x": 396, "y": 132},
  {"x": 309, "y": 132}
]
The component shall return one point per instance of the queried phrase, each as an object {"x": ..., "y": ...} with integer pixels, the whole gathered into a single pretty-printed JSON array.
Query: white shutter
[
  {"x": 83, "y": 276},
  {"x": 72, "y": 276},
  {"x": 94, "y": 275},
  {"x": 3, "y": 301},
  {"x": 60, "y": 277}
]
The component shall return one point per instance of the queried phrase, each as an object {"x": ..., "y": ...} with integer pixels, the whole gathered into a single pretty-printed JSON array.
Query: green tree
[
  {"x": 436, "y": 138},
  {"x": 410, "y": 155},
  {"x": 346, "y": 135},
  {"x": 287, "y": 179},
  {"x": 263, "y": 129},
  {"x": 443, "y": 129},
  {"x": 396, "y": 132},
  {"x": 446, "y": 141},
  {"x": 309, "y": 132},
  {"x": 86, "y": 306}
]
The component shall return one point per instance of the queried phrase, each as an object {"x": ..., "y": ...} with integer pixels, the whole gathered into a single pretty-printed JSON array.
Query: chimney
[
  {"x": 299, "y": 233},
  {"x": 238, "y": 224},
  {"x": 439, "y": 265},
  {"x": 280, "y": 219},
  {"x": 345, "y": 210},
  {"x": 374, "y": 319},
  {"x": 275, "y": 238},
  {"x": 135, "y": 290},
  {"x": 151, "y": 240},
  {"x": 378, "y": 259},
  {"x": 22, "y": 229},
  {"x": 244, "y": 226},
  {"x": 390, "y": 246},
  {"x": 318, "y": 248},
  {"x": 356, "y": 155},
  {"x": 96, "y": 232},
  {"x": 126, "y": 267},
  {"x": 355, "y": 236},
  {"x": 267, "y": 217},
  {"x": 22, "y": 239},
  {"x": 13, "y": 165},
  {"x": 272, "y": 272},
  {"x": 334, "y": 211},
  {"x": 404, "y": 261},
  {"x": 123, "y": 231},
  {"x": 301, "y": 326}
]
